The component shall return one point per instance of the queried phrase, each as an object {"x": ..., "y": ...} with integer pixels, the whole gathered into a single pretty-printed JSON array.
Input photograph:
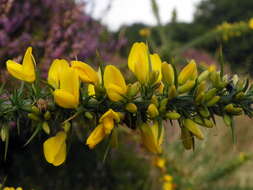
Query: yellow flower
[
  {"x": 66, "y": 81},
  {"x": 150, "y": 137},
  {"x": 251, "y": 23},
  {"x": 168, "y": 73},
  {"x": 167, "y": 186},
  {"x": 145, "y": 32},
  {"x": 26, "y": 71},
  {"x": 91, "y": 90},
  {"x": 55, "y": 149},
  {"x": 86, "y": 73},
  {"x": 114, "y": 83},
  {"x": 55, "y": 70},
  {"x": 104, "y": 128},
  {"x": 160, "y": 163},
  {"x": 167, "y": 178},
  {"x": 189, "y": 72},
  {"x": 138, "y": 63},
  {"x": 131, "y": 107},
  {"x": 96, "y": 136}
]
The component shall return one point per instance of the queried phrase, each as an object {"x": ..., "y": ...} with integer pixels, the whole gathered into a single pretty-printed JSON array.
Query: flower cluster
[{"x": 103, "y": 101}]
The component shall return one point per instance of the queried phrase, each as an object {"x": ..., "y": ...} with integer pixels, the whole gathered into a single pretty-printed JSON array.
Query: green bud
[
  {"x": 210, "y": 94},
  {"x": 46, "y": 127},
  {"x": 203, "y": 76},
  {"x": 34, "y": 117},
  {"x": 4, "y": 132},
  {"x": 213, "y": 101},
  {"x": 199, "y": 98},
  {"x": 187, "y": 138},
  {"x": 66, "y": 126},
  {"x": 201, "y": 88},
  {"x": 186, "y": 86},
  {"x": 233, "y": 110},
  {"x": 208, "y": 123},
  {"x": 163, "y": 105},
  {"x": 133, "y": 89},
  {"x": 204, "y": 112},
  {"x": 88, "y": 115},
  {"x": 131, "y": 107},
  {"x": 35, "y": 110},
  {"x": 47, "y": 115},
  {"x": 173, "y": 115},
  {"x": 193, "y": 128}
]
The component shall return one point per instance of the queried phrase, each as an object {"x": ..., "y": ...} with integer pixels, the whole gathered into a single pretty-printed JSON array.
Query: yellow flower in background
[
  {"x": 86, "y": 73},
  {"x": 251, "y": 23},
  {"x": 26, "y": 71},
  {"x": 55, "y": 70},
  {"x": 167, "y": 178},
  {"x": 189, "y": 72},
  {"x": 160, "y": 163},
  {"x": 67, "y": 96},
  {"x": 97, "y": 135},
  {"x": 114, "y": 83},
  {"x": 55, "y": 149},
  {"x": 145, "y": 32},
  {"x": 138, "y": 63},
  {"x": 104, "y": 128},
  {"x": 150, "y": 137}
]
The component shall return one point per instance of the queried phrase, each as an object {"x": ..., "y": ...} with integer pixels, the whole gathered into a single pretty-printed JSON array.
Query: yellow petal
[
  {"x": 86, "y": 73},
  {"x": 156, "y": 65},
  {"x": 65, "y": 99},
  {"x": 138, "y": 61},
  {"x": 55, "y": 149},
  {"x": 111, "y": 114},
  {"x": 57, "y": 67},
  {"x": 167, "y": 73},
  {"x": 108, "y": 124},
  {"x": 26, "y": 71},
  {"x": 96, "y": 136},
  {"x": 114, "y": 81}
]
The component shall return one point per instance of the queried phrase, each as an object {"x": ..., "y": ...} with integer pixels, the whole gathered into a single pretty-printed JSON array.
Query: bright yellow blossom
[
  {"x": 26, "y": 71},
  {"x": 65, "y": 80},
  {"x": 145, "y": 32},
  {"x": 55, "y": 149},
  {"x": 86, "y": 73},
  {"x": 104, "y": 128},
  {"x": 168, "y": 73},
  {"x": 150, "y": 137},
  {"x": 138, "y": 63},
  {"x": 114, "y": 83},
  {"x": 251, "y": 23}
]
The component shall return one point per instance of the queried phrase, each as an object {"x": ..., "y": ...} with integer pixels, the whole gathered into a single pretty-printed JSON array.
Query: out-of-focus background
[{"x": 95, "y": 30}]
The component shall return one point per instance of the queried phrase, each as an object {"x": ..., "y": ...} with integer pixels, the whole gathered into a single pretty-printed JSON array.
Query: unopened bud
[
  {"x": 186, "y": 87},
  {"x": 168, "y": 73},
  {"x": 131, "y": 107},
  {"x": 4, "y": 133},
  {"x": 203, "y": 76},
  {"x": 163, "y": 105},
  {"x": 154, "y": 100},
  {"x": 35, "y": 110},
  {"x": 46, "y": 127},
  {"x": 133, "y": 89},
  {"x": 172, "y": 92},
  {"x": 204, "y": 112},
  {"x": 152, "y": 111},
  {"x": 227, "y": 120},
  {"x": 47, "y": 115},
  {"x": 193, "y": 128},
  {"x": 210, "y": 94},
  {"x": 213, "y": 101},
  {"x": 187, "y": 138},
  {"x": 88, "y": 115},
  {"x": 66, "y": 126},
  {"x": 34, "y": 117},
  {"x": 172, "y": 115}
]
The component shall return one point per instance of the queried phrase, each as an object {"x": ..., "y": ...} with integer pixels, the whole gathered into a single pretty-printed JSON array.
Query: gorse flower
[
  {"x": 114, "y": 83},
  {"x": 107, "y": 122},
  {"x": 55, "y": 149},
  {"x": 188, "y": 73},
  {"x": 66, "y": 83},
  {"x": 143, "y": 64},
  {"x": 26, "y": 71},
  {"x": 151, "y": 138}
]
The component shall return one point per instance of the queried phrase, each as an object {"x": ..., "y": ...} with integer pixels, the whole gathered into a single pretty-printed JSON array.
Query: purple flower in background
[{"x": 55, "y": 29}]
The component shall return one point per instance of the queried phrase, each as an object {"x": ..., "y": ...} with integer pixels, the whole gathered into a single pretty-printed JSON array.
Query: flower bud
[
  {"x": 203, "y": 76},
  {"x": 131, "y": 107},
  {"x": 167, "y": 73},
  {"x": 154, "y": 100},
  {"x": 35, "y": 110},
  {"x": 189, "y": 72},
  {"x": 173, "y": 115},
  {"x": 4, "y": 133},
  {"x": 204, "y": 112},
  {"x": 193, "y": 128},
  {"x": 46, "y": 127},
  {"x": 213, "y": 101},
  {"x": 187, "y": 138},
  {"x": 227, "y": 120},
  {"x": 163, "y": 105},
  {"x": 88, "y": 115},
  {"x": 172, "y": 92},
  {"x": 66, "y": 126},
  {"x": 186, "y": 87},
  {"x": 34, "y": 117},
  {"x": 47, "y": 115},
  {"x": 133, "y": 89},
  {"x": 210, "y": 94},
  {"x": 152, "y": 111}
]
